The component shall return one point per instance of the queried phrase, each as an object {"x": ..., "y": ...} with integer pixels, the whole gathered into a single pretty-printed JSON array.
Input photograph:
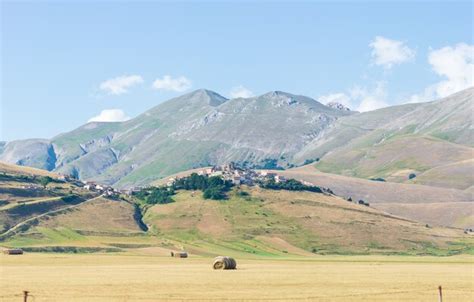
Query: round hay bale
[
  {"x": 233, "y": 263},
  {"x": 218, "y": 264},
  {"x": 223, "y": 262},
  {"x": 182, "y": 254}
]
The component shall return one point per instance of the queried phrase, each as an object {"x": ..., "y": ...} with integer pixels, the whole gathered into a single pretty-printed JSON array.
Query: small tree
[
  {"x": 215, "y": 193},
  {"x": 45, "y": 180}
]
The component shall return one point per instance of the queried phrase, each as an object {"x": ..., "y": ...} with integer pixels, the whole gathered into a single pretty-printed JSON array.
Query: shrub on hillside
[
  {"x": 214, "y": 187},
  {"x": 45, "y": 180},
  {"x": 310, "y": 161},
  {"x": 159, "y": 196},
  {"x": 216, "y": 193},
  {"x": 290, "y": 185},
  {"x": 378, "y": 179},
  {"x": 155, "y": 195}
]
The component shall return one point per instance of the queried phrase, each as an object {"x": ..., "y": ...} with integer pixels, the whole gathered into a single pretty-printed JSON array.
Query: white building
[
  {"x": 279, "y": 178},
  {"x": 236, "y": 180}
]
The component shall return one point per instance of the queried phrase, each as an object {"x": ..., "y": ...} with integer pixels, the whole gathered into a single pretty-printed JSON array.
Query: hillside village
[
  {"x": 237, "y": 175},
  {"x": 231, "y": 172}
]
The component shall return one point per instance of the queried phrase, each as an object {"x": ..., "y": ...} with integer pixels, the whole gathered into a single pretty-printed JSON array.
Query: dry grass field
[
  {"x": 134, "y": 277},
  {"x": 24, "y": 170},
  {"x": 418, "y": 202}
]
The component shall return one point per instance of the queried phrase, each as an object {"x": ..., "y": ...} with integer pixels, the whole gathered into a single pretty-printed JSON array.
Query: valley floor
[{"x": 133, "y": 277}]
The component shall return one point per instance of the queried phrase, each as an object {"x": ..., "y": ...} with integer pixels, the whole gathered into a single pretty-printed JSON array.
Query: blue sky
[{"x": 65, "y": 63}]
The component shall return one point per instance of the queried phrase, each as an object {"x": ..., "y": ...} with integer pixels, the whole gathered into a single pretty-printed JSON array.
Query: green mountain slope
[
  {"x": 429, "y": 141},
  {"x": 197, "y": 129},
  {"x": 394, "y": 142}
]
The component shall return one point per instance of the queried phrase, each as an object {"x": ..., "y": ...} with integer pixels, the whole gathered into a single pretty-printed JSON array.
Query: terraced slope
[
  {"x": 262, "y": 223},
  {"x": 24, "y": 195}
]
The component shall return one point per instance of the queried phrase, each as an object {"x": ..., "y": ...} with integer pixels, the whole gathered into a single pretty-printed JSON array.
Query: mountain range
[{"x": 426, "y": 143}]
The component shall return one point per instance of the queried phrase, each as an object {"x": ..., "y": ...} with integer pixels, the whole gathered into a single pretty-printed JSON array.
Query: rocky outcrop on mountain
[
  {"x": 38, "y": 153},
  {"x": 338, "y": 106}
]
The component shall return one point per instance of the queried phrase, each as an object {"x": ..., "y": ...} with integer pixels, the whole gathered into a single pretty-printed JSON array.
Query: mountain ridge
[{"x": 275, "y": 129}]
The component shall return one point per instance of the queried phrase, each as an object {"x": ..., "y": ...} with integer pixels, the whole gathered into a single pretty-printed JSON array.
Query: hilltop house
[
  {"x": 90, "y": 186},
  {"x": 171, "y": 182},
  {"x": 279, "y": 178}
]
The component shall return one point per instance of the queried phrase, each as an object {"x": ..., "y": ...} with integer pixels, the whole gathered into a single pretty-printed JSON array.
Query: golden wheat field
[{"x": 105, "y": 277}]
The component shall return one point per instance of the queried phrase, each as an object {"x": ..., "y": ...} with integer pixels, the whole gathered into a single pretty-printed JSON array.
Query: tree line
[{"x": 213, "y": 187}]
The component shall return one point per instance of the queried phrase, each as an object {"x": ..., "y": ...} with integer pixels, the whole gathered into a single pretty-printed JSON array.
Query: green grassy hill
[
  {"x": 432, "y": 141},
  {"x": 256, "y": 223},
  {"x": 280, "y": 222}
]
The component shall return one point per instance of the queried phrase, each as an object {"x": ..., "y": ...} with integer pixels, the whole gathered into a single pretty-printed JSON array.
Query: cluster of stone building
[
  {"x": 230, "y": 172},
  {"x": 98, "y": 188},
  {"x": 237, "y": 175}
]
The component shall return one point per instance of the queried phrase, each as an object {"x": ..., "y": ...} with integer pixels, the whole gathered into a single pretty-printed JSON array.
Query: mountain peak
[
  {"x": 211, "y": 97},
  {"x": 277, "y": 93},
  {"x": 338, "y": 106}
]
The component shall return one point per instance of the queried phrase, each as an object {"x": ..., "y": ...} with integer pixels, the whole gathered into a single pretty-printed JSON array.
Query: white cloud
[
  {"x": 178, "y": 84},
  {"x": 387, "y": 52},
  {"x": 240, "y": 92},
  {"x": 340, "y": 98},
  {"x": 120, "y": 85},
  {"x": 370, "y": 99},
  {"x": 455, "y": 65},
  {"x": 110, "y": 115},
  {"x": 361, "y": 98}
]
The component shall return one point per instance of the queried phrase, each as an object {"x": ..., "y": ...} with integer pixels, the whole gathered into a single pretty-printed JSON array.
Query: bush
[
  {"x": 290, "y": 185},
  {"x": 155, "y": 195},
  {"x": 377, "y": 179},
  {"x": 45, "y": 180},
  {"x": 216, "y": 193},
  {"x": 159, "y": 196},
  {"x": 310, "y": 161},
  {"x": 70, "y": 198},
  {"x": 214, "y": 187}
]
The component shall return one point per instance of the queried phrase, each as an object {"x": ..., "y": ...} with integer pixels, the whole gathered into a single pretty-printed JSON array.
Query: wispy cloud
[
  {"x": 370, "y": 99},
  {"x": 121, "y": 84},
  {"x": 240, "y": 92},
  {"x": 178, "y": 84},
  {"x": 387, "y": 52},
  {"x": 110, "y": 115},
  {"x": 453, "y": 63}
]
